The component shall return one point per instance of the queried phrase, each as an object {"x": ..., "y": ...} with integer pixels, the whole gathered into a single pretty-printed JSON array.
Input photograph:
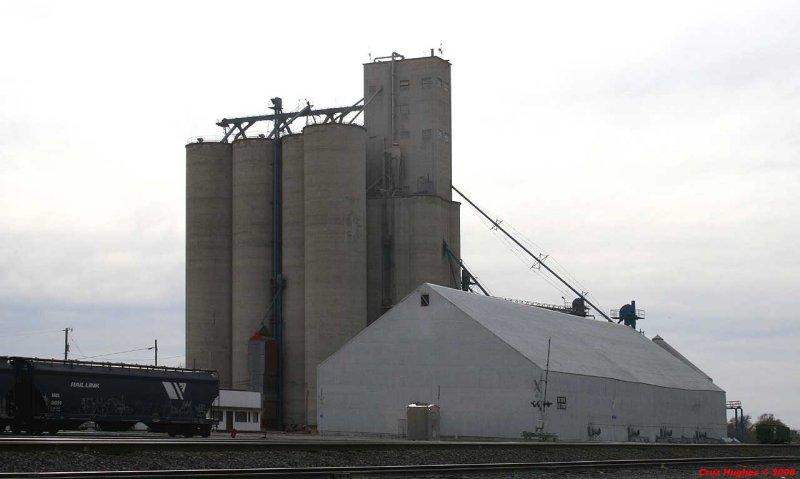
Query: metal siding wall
[
  {"x": 335, "y": 242},
  {"x": 484, "y": 387},
  {"x": 252, "y": 247},
  {"x": 293, "y": 241},
  {"x": 208, "y": 258}
]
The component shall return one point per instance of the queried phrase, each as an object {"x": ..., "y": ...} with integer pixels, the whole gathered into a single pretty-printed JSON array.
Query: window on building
[
  {"x": 403, "y": 110},
  {"x": 424, "y": 300},
  {"x": 404, "y": 84},
  {"x": 255, "y": 417},
  {"x": 216, "y": 414},
  {"x": 427, "y": 82},
  {"x": 562, "y": 402},
  {"x": 240, "y": 416},
  {"x": 405, "y": 135}
]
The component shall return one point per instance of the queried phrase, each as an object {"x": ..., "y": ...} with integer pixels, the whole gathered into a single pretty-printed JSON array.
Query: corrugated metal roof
[{"x": 578, "y": 345}]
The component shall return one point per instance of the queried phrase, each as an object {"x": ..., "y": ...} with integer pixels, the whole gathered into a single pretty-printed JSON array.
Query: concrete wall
[
  {"x": 293, "y": 218},
  {"x": 251, "y": 288},
  {"x": 413, "y": 253},
  {"x": 421, "y": 223},
  {"x": 484, "y": 387},
  {"x": 208, "y": 258},
  {"x": 409, "y": 172},
  {"x": 422, "y": 123},
  {"x": 335, "y": 213}
]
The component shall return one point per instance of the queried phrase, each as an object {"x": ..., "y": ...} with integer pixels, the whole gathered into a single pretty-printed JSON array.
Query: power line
[
  {"x": 113, "y": 354},
  {"x": 28, "y": 333}
]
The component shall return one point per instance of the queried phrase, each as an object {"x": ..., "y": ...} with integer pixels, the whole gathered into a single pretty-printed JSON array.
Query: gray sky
[{"x": 651, "y": 149}]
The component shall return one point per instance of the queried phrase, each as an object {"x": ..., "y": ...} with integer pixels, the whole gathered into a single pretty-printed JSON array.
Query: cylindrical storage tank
[
  {"x": 208, "y": 258},
  {"x": 293, "y": 247},
  {"x": 421, "y": 223},
  {"x": 252, "y": 248},
  {"x": 335, "y": 243},
  {"x": 454, "y": 231},
  {"x": 377, "y": 258}
]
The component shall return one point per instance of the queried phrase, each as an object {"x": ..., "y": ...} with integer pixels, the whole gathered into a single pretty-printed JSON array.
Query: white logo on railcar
[
  {"x": 174, "y": 390},
  {"x": 79, "y": 384}
]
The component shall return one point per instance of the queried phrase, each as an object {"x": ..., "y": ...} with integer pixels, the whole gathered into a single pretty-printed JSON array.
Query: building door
[{"x": 228, "y": 420}]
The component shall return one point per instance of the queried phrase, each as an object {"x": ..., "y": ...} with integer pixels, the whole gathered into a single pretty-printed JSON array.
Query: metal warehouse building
[{"x": 483, "y": 361}]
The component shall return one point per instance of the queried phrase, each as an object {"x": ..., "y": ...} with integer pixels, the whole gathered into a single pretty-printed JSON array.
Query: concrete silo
[
  {"x": 208, "y": 258},
  {"x": 293, "y": 246},
  {"x": 409, "y": 171},
  {"x": 335, "y": 242},
  {"x": 252, "y": 248},
  {"x": 421, "y": 223}
]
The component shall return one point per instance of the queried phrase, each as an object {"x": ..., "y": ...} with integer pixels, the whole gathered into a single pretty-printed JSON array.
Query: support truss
[{"x": 235, "y": 128}]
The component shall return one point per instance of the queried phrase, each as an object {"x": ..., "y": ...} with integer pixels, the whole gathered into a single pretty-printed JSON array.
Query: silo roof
[{"x": 579, "y": 345}]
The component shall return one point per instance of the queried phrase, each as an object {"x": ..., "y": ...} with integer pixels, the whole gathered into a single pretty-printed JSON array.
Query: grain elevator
[{"x": 295, "y": 242}]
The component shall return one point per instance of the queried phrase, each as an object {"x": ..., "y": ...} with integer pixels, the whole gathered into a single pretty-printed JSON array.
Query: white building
[
  {"x": 240, "y": 410},
  {"x": 483, "y": 361}
]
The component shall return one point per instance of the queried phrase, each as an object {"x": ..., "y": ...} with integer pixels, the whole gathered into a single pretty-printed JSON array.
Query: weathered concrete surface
[
  {"x": 252, "y": 248},
  {"x": 293, "y": 245},
  {"x": 335, "y": 242},
  {"x": 208, "y": 258},
  {"x": 422, "y": 123},
  {"x": 419, "y": 224}
]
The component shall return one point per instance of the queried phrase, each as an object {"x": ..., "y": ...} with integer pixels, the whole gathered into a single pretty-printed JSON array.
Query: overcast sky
[{"x": 652, "y": 150}]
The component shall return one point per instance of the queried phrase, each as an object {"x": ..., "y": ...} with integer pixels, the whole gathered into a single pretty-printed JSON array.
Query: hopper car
[{"x": 48, "y": 395}]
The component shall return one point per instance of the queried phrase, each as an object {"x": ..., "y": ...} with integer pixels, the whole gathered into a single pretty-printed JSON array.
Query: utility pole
[
  {"x": 66, "y": 342},
  {"x": 156, "y": 351}
]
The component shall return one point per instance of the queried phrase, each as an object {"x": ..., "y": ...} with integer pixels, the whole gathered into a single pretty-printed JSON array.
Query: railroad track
[
  {"x": 99, "y": 442},
  {"x": 423, "y": 470}
]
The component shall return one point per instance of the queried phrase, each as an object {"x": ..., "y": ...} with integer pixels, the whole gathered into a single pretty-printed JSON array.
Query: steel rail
[
  {"x": 401, "y": 471},
  {"x": 140, "y": 440}
]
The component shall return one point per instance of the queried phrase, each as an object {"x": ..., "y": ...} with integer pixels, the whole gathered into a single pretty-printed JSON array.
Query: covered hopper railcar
[{"x": 50, "y": 395}]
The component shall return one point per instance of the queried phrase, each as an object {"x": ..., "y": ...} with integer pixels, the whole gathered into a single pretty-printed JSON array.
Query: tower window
[
  {"x": 562, "y": 402},
  {"x": 427, "y": 82},
  {"x": 404, "y": 84},
  {"x": 424, "y": 300},
  {"x": 403, "y": 109}
]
